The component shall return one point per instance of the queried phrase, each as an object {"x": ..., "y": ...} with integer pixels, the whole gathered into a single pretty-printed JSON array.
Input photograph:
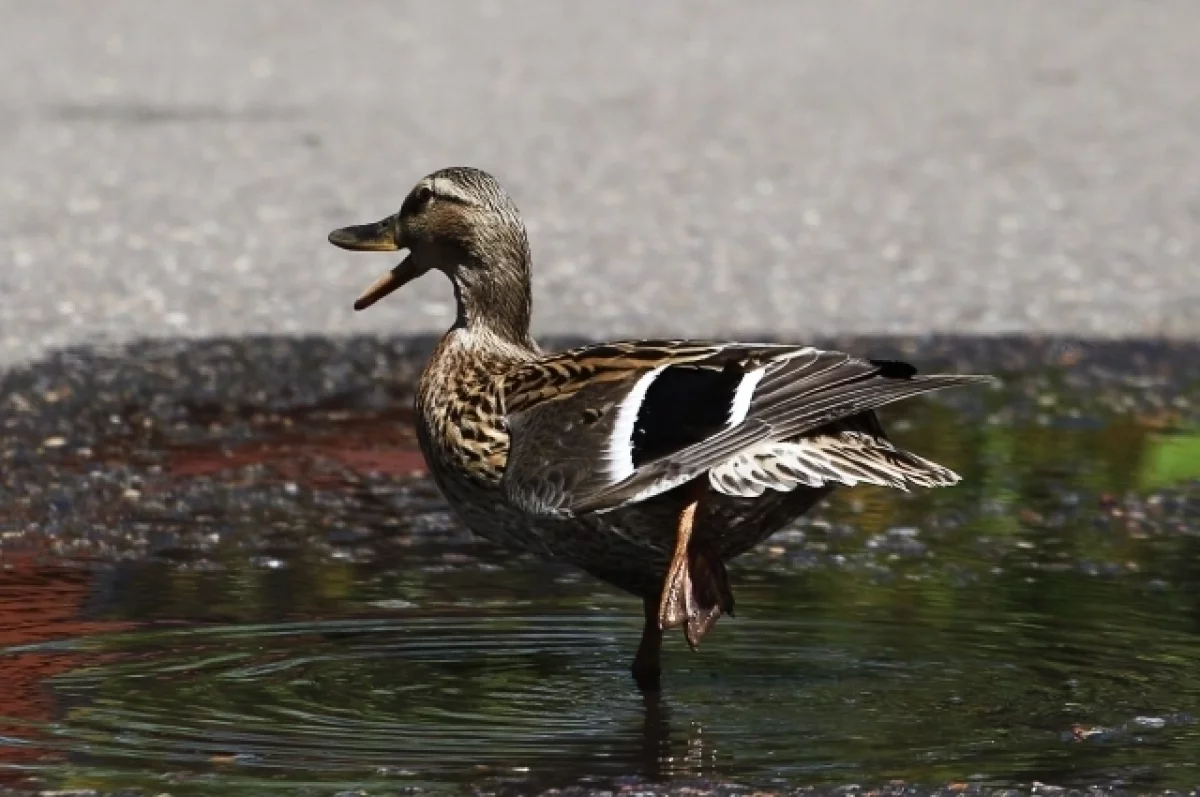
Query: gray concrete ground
[{"x": 171, "y": 168}]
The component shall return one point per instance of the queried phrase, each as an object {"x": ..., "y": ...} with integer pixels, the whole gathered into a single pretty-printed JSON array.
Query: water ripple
[{"x": 453, "y": 698}]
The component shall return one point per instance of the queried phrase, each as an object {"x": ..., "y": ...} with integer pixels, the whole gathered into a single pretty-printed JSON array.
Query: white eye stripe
[{"x": 447, "y": 189}]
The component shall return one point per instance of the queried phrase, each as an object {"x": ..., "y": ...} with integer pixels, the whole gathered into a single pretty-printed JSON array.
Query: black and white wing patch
[
  {"x": 782, "y": 395},
  {"x": 587, "y": 420},
  {"x": 668, "y": 409},
  {"x": 607, "y": 426}
]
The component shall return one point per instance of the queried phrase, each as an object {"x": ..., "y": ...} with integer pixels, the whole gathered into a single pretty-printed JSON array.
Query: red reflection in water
[
  {"x": 43, "y": 600},
  {"x": 39, "y": 602}
]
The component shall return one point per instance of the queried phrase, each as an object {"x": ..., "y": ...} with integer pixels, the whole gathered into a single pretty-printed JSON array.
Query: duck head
[{"x": 461, "y": 222}]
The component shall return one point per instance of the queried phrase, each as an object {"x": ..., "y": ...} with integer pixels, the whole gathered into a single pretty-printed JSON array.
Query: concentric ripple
[
  {"x": 544, "y": 700},
  {"x": 354, "y": 695}
]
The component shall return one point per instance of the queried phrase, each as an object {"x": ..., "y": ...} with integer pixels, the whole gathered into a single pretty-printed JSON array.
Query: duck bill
[
  {"x": 379, "y": 236},
  {"x": 405, "y": 272}
]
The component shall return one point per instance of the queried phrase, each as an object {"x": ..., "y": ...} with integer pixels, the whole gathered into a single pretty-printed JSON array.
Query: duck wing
[{"x": 601, "y": 427}]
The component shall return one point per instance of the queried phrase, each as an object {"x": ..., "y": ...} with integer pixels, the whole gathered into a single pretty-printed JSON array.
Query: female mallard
[{"x": 647, "y": 464}]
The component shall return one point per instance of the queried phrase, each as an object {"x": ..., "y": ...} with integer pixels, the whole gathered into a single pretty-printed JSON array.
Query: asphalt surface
[{"x": 172, "y": 168}]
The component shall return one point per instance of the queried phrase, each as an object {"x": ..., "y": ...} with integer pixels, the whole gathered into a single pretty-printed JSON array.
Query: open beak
[{"x": 377, "y": 237}]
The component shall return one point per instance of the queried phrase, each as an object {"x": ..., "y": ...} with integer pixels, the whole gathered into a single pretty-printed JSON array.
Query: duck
[{"x": 648, "y": 464}]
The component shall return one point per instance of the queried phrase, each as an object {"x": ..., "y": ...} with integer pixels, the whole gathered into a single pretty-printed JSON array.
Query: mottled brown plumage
[{"x": 648, "y": 464}]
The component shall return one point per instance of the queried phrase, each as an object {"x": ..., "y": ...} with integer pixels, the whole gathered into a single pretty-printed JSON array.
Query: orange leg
[
  {"x": 696, "y": 588},
  {"x": 677, "y": 587}
]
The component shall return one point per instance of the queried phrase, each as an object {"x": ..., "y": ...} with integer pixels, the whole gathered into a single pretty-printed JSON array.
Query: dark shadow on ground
[{"x": 86, "y": 431}]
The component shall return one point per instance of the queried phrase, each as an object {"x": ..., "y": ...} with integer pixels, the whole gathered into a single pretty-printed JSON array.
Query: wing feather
[
  {"x": 847, "y": 458},
  {"x": 562, "y": 411}
]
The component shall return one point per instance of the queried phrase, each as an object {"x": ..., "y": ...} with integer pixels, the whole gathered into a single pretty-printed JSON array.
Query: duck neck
[{"x": 496, "y": 299}]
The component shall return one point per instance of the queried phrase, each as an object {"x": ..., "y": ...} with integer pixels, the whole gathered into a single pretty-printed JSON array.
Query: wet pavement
[{"x": 222, "y": 571}]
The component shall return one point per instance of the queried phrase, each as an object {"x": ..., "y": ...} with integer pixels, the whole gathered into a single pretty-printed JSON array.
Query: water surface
[{"x": 285, "y": 602}]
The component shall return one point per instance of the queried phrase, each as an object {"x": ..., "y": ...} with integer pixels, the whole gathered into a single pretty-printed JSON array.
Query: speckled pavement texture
[{"x": 686, "y": 168}]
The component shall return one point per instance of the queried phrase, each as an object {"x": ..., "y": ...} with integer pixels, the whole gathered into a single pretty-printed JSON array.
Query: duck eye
[{"x": 417, "y": 200}]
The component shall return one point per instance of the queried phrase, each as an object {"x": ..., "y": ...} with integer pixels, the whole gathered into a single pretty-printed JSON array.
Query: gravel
[
  {"x": 689, "y": 168},
  {"x": 123, "y": 454}
]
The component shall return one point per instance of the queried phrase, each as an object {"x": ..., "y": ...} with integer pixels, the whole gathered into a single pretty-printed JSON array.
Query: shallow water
[{"x": 288, "y": 603}]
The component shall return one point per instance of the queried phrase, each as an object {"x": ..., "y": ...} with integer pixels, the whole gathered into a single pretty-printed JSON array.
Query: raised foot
[{"x": 696, "y": 588}]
